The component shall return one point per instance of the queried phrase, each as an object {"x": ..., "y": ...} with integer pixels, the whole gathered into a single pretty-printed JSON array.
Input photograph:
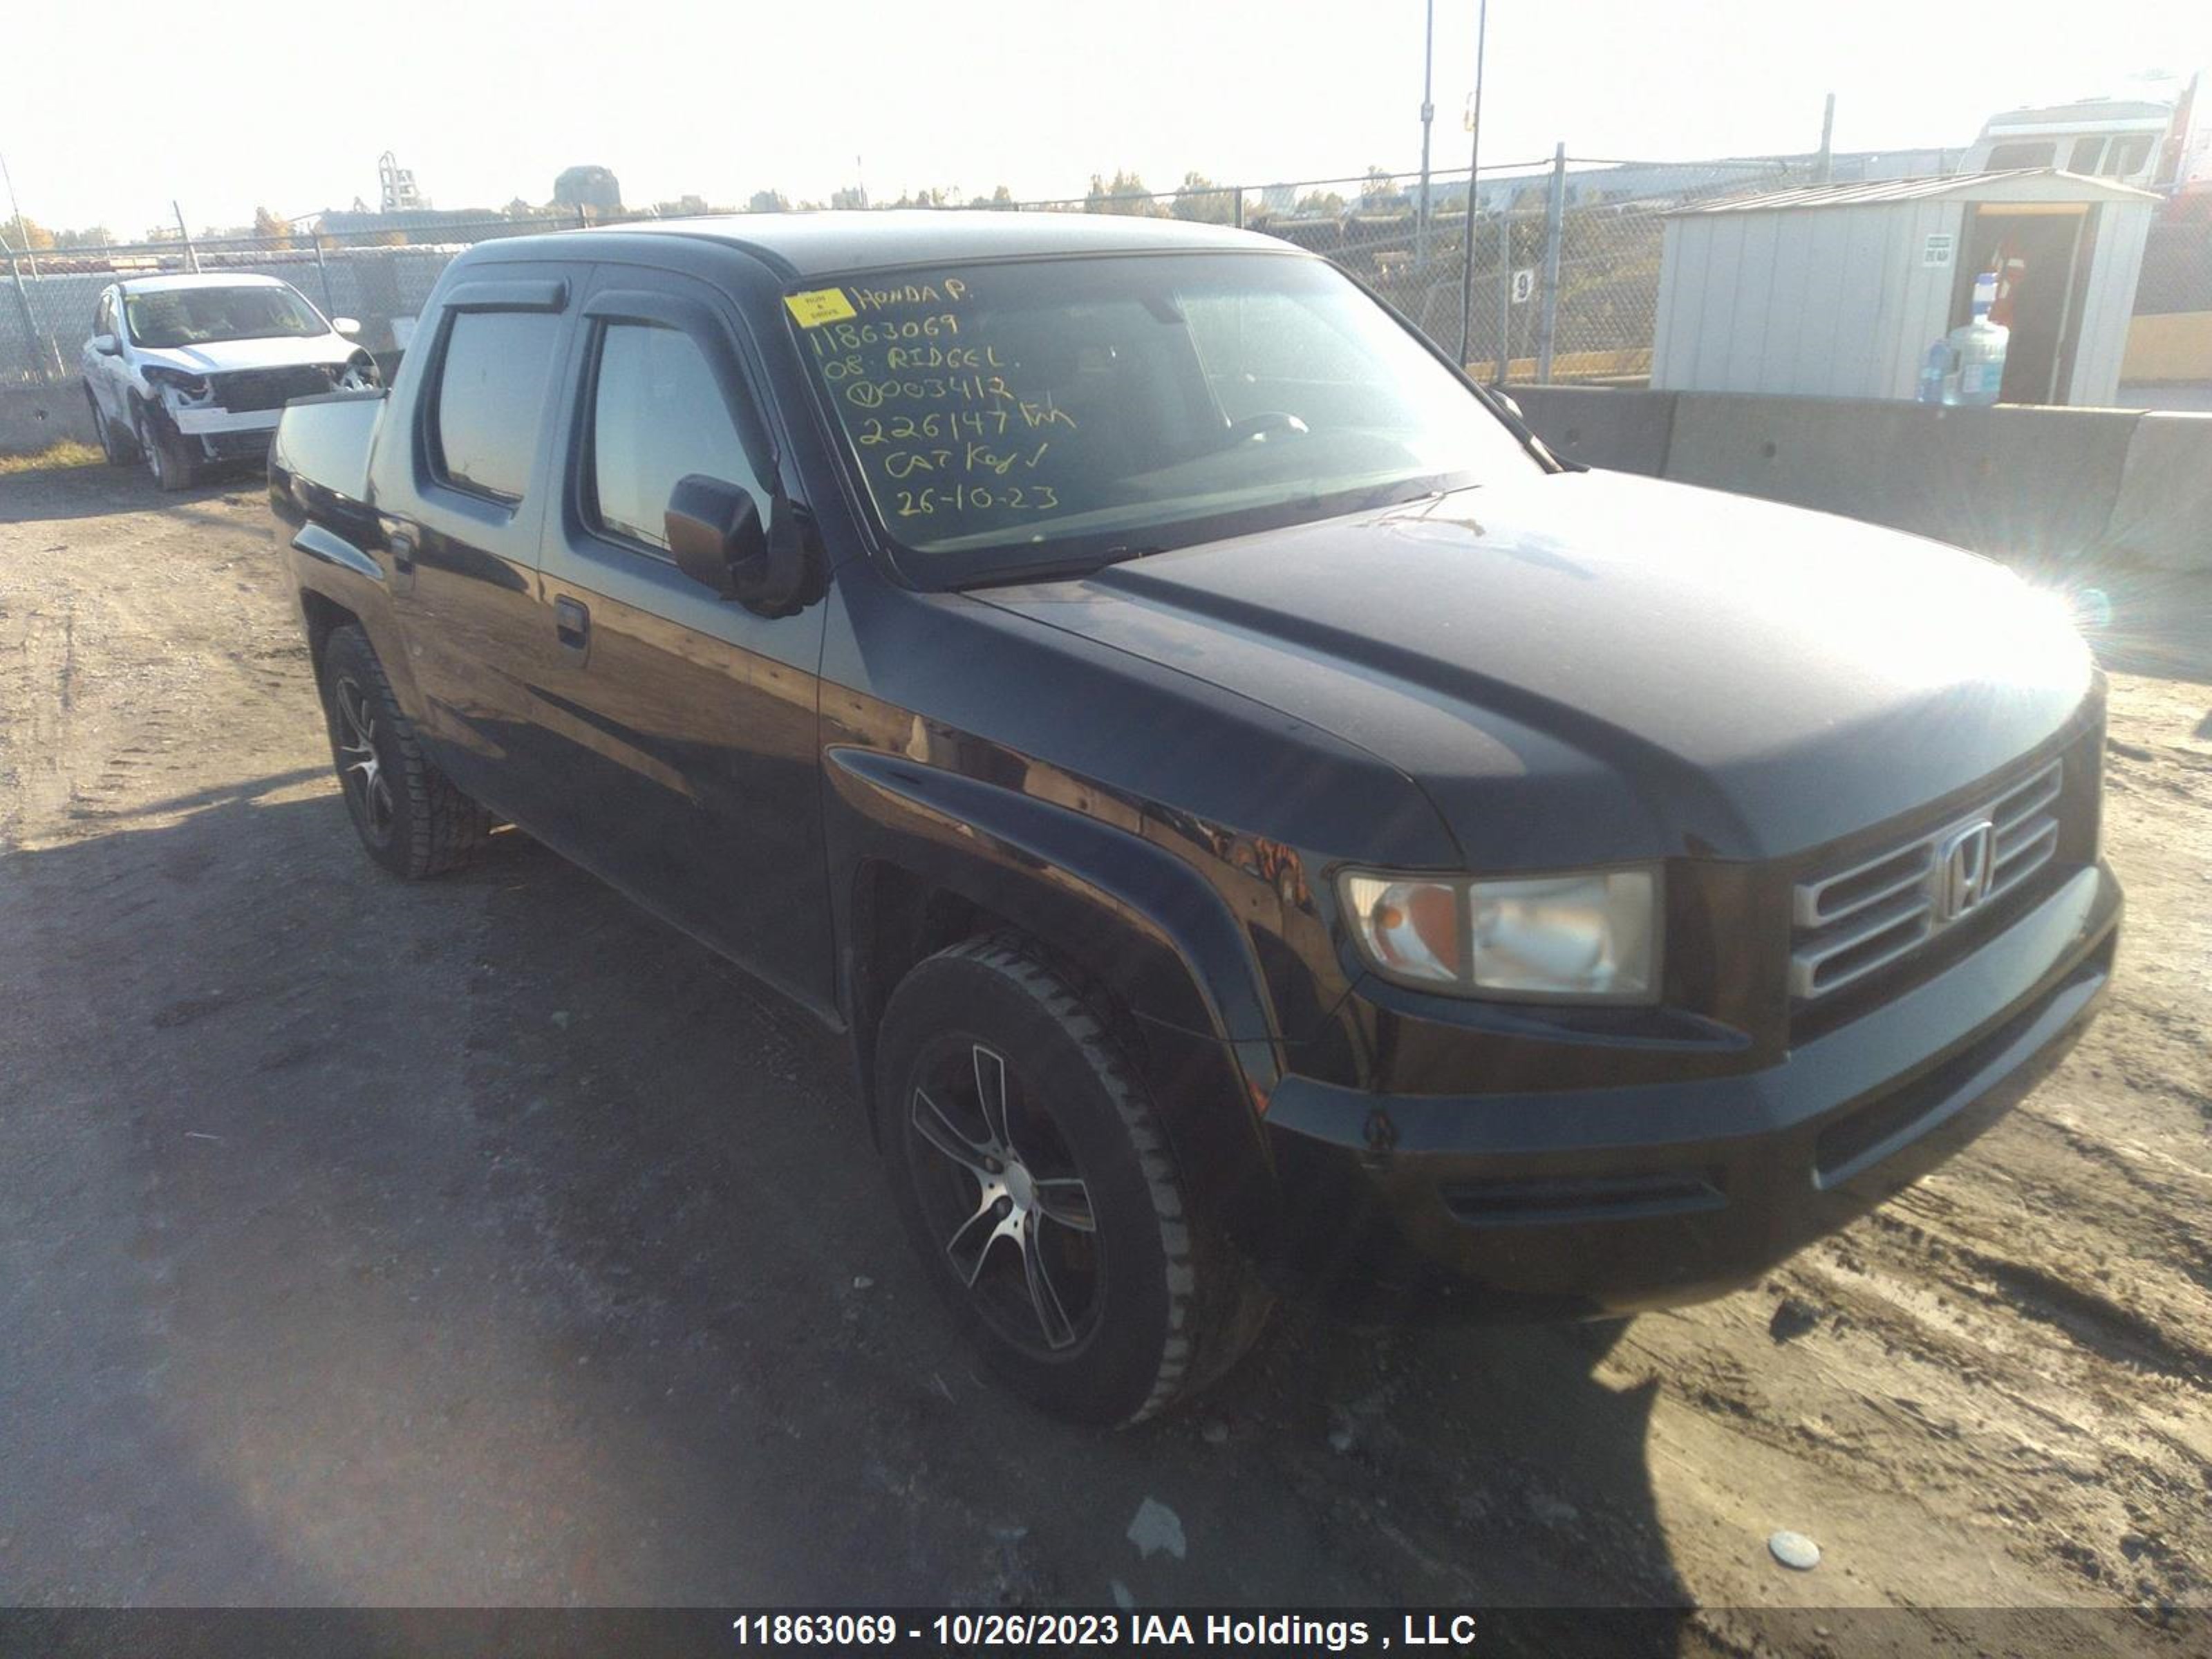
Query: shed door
[{"x": 2040, "y": 253}]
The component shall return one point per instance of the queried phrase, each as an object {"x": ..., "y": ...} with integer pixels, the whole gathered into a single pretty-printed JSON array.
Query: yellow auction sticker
[{"x": 819, "y": 306}]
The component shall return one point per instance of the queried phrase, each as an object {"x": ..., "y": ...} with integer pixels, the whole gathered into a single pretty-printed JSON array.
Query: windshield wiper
[{"x": 1053, "y": 570}]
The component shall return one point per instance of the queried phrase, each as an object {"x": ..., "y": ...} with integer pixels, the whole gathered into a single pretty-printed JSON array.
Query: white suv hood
[{"x": 223, "y": 356}]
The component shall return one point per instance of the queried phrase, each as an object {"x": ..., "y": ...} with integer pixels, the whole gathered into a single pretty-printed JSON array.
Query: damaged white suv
[{"x": 190, "y": 371}]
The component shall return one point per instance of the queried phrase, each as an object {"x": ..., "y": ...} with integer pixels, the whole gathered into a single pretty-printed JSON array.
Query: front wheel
[
  {"x": 170, "y": 456},
  {"x": 1034, "y": 1179}
]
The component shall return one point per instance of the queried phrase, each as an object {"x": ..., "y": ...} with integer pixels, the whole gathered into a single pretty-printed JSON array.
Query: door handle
[{"x": 573, "y": 623}]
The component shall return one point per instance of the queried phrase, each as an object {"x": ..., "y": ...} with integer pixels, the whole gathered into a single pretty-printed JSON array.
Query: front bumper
[
  {"x": 212, "y": 422},
  {"x": 1604, "y": 1201}
]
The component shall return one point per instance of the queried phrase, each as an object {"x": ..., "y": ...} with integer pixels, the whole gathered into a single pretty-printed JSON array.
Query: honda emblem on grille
[{"x": 1965, "y": 860}]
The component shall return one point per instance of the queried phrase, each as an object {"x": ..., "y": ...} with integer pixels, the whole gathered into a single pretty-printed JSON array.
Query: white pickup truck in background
[{"x": 188, "y": 371}]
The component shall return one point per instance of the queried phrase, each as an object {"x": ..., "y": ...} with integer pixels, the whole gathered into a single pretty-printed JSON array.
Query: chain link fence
[
  {"x": 2177, "y": 268},
  {"x": 1565, "y": 260},
  {"x": 1558, "y": 282},
  {"x": 2169, "y": 354},
  {"x": 380, "y": 277}
]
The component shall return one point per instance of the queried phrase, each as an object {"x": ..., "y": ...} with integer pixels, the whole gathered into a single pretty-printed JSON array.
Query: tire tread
[
  {"x": 1216, "y": 1306},
  {"x": 443, "y": 829}
]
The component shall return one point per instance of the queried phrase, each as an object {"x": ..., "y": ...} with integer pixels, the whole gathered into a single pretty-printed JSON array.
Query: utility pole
[
  {"x": 192, "y": 253},
  {"x": 1825, "y": 170},
  {"x": 1555, "y": 225},
  {"x": 1473, "y": 177},
  {"x": 41, "y": 348},
  {"x": 15, "y": 208},
  {"x": 1428, "y": 115},
  {"x": 323, "y": 270}
]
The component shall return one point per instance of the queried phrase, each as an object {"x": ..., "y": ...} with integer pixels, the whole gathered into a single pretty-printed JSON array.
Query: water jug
[
  {"x": 1936, "y": 373},
  {"x": 1979, "y": 348}
]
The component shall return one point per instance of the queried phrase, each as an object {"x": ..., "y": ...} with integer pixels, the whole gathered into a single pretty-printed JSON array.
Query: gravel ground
[{"x": 483, "y": 1241}]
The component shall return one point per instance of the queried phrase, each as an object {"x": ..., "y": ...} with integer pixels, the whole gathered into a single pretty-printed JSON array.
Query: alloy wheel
[
  {"x": 361, "y": 767},
  {"x": 1002, "y": 1193}
]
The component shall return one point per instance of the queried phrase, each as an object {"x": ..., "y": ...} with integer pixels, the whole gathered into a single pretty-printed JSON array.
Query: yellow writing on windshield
[{"x": 946, "y": 401}]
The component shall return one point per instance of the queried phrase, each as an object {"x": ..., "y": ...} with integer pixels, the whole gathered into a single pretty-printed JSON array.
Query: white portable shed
[{"x": 1837, "y": 291}]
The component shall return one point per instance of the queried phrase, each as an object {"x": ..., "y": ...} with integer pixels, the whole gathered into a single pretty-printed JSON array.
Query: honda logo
[{"x": 1965, "y": 860}]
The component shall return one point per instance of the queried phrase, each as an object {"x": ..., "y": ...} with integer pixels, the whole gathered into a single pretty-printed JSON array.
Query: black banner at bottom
[{"x": 1442, "y": 1632}]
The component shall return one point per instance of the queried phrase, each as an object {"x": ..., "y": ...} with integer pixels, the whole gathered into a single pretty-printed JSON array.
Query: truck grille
[
  {"x": 1854, "y": 922},
  {"x": 248, "y": 389}
]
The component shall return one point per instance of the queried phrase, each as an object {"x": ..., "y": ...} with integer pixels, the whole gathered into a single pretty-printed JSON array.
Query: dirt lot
[{"x": 483, "y": 1241}]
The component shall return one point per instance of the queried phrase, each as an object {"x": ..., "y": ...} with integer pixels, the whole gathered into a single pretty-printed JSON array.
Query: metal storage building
[{"x": 1837, "y": 291}]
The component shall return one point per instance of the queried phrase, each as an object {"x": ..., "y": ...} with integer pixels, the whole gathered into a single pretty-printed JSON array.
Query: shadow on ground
[
  {"x": 58, "y": 494},
  {"x": 485, "y": 1241}
]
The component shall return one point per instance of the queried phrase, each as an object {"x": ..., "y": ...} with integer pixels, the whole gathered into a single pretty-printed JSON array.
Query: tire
[
  {"x": 410, "y": 820},
  {"x": 116, "y": 452},
  {"x": 169, "y": 454},
  {"x": 985, "y": 1051}
]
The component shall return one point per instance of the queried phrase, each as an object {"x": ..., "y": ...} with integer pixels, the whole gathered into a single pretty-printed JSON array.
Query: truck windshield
[
  {"x": 170, "y": 317},
  {"x": 1041, "y": 413}
]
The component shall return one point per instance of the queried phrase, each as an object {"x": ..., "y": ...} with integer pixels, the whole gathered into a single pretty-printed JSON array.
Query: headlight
[
  {"x": 1590, "y": 935},
  {"x": 184, "y": 385}
]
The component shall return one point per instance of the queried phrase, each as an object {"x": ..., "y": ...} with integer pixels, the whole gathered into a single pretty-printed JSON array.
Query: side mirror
[
  {"x": 348, "y": 326},
  {"x": 715, "y": 534},
  {"x": 107, "y": 345}
]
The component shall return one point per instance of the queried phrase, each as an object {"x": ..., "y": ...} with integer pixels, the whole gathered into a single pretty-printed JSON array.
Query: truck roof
[
  {"x": 811, "y": 244},
  {"x": 2084, "y": 110}
]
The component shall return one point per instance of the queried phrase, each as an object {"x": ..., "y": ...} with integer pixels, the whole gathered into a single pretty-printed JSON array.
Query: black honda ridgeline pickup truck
[{"x": 1261, "y": 819}]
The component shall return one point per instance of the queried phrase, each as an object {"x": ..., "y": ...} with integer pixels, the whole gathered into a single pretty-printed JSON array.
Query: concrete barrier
[
  {"x": 1624, "y": 431},
  {"x": 2024, "y": 485},
  {"x": 2014, "y": 483},
  {"x": 2162, "y": 517},
  {"x": 33, "y": 418}
]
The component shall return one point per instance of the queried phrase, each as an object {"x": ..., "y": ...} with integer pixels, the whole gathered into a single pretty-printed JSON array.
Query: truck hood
[
  {"x": 1586, "y": 667},
  {"x": 225, "y": 356}
]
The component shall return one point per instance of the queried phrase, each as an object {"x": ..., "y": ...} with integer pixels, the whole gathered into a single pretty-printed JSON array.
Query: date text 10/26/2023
[{"x": 1016, "y": 1630}]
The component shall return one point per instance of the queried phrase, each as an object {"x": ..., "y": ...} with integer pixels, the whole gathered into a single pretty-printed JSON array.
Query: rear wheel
[
  {"x": 113, "y": 446},
  {"x": 411, "y": 820},
  {"x": 1034, "y": 1180}
]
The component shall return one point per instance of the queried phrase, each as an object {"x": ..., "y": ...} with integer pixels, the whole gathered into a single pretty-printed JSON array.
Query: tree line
[{"x": 1197, "y": 198}]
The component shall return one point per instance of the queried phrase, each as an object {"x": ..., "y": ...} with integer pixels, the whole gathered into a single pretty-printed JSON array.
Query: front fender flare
[
  {"x": 1063, "y": 873},
  {"x": 1124, "y": 910}
]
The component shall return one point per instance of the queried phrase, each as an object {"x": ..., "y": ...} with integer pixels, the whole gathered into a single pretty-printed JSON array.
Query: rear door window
[{"x": 484, "y": 420}]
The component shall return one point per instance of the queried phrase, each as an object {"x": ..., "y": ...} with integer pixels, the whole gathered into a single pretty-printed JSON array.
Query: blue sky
[{"x": 226, "y": 106}]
